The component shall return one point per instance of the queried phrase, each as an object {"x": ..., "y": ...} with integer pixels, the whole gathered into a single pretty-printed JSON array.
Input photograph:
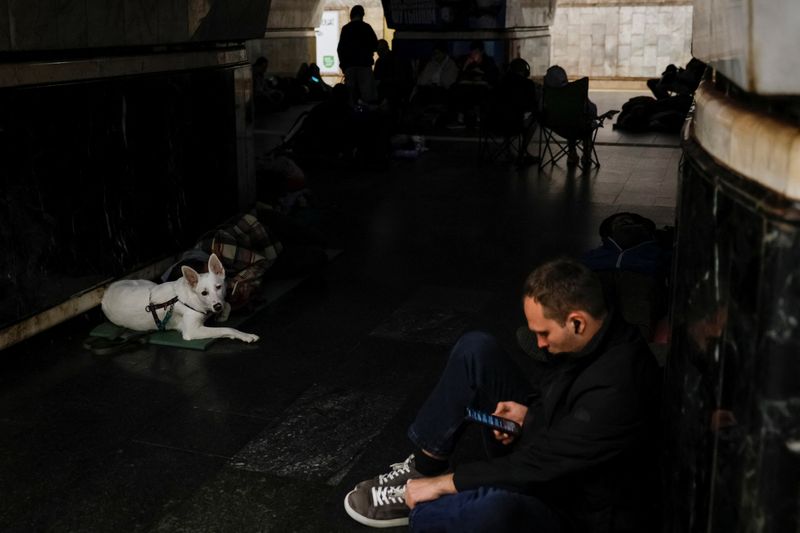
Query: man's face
[
  {"x": 475, "y": 56},
  {"x": 550, "y": 335}
]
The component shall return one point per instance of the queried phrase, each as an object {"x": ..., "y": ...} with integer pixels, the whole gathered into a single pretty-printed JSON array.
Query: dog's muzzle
[{"x": 217, "y": 308}]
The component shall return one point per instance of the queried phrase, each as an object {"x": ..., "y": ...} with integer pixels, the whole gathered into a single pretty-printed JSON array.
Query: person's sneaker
[
  {"x": 398, "y": 475},
  {"x": 378, "y": 506}
]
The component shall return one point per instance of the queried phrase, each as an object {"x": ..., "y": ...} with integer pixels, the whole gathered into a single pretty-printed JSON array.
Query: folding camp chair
[
  {"x": 564, "y": 122},
  {"x": 495, "y": 140}
]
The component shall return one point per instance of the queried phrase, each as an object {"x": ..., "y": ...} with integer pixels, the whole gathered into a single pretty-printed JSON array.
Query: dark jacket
[
  {"x": 507, "y": 104},
  {"x": 357, "y": 43},
  {"x": 587, "y": 443}
]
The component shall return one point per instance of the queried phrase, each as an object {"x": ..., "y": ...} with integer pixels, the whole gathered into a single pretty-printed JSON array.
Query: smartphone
[{"x": 503, "y": 425}]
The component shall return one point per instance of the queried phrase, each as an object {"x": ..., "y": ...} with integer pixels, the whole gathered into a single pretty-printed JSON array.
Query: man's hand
[
  {"x": 425, "y": 489},
  {"x": 513, "y": 411}
]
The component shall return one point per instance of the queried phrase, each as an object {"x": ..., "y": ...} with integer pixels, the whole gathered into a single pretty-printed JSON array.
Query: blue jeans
[
  {"x": 484, "y": 510},
  {"x": 478, "y": 374}
]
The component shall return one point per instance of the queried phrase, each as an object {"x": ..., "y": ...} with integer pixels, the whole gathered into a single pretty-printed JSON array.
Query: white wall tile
[{"x": 621, "y": 40}]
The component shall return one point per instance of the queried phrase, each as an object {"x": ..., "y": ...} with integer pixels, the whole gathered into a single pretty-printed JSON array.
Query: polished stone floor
[{"x": 271, "y": 436}]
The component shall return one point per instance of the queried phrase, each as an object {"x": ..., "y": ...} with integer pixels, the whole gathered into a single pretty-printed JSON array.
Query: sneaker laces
[
  {"x": 398, "y": 469},
  {"x": 388, "y": 495}
]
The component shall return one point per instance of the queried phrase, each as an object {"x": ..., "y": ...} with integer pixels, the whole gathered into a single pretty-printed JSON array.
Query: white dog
[{"x": 183, "y": 304}]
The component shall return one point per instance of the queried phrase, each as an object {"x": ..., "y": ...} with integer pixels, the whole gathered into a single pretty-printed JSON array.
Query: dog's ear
[
  {"x": 190, "y": 274},
  {"x": 215, "y": 266}
]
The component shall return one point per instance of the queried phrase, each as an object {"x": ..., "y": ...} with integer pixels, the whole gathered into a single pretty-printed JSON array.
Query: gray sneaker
[
  {"x": 378, "y": 506},
  {"x": 398, "y": 475}
]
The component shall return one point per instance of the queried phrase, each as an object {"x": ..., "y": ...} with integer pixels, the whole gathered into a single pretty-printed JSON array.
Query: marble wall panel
[
  {"x": 626, "y": 15},
  {"x": 196, "y": 13},
  {"x": 5, "y": 28},
  {"x": 652, "y": 36},
  {"x": 106, "y": 22},
  {"x": 73, "y": 24},
  {"x": 611, "y": 60},
  {"x": 732, "y": 396},
  {"x": 650, "y": 58},
  {"x": 623, "y": 67},
  {"x": 27, "y": 25},
  {"x": 33, "y": 27},
  {"x": 573, "y": 36},
  {"x": 285, "y": 53},
  {"x": 300, "y": 14},
  {"x": 529, "y": 13},
  {"x": 625, "y": 33},
  {"x": 141, "y": 22},
  {"x": 173, "y": 21},
  {"x": 224, "y": 20},
  {"x": 91, "y": 154},
  {"x": 637, "y": 44},
  {"x": 638, "y": 22}
]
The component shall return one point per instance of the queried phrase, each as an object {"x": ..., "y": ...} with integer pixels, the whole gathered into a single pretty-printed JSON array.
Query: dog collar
[
  {"x": 190, "y": 307},
  {"x": 151, "y": 308}
]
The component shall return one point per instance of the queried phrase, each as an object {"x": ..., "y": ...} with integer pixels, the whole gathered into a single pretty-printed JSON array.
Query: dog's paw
[{"x": 249, "y": 337}]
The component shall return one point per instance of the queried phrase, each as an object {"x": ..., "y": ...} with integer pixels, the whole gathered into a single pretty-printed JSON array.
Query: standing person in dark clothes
[
  {"x": 583, "y": 460},
  {"x": 357, "y": 43}
]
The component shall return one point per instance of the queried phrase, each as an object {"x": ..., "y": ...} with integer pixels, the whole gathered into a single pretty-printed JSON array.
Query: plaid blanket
[
  {"x": 241, "y": 244},
  {"x": 247, "y": 250}
]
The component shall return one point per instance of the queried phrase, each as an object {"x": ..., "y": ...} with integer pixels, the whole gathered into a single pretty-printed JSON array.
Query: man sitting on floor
[{"x": 584, "y": 459}]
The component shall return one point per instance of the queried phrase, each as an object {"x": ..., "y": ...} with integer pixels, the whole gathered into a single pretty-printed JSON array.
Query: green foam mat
[{"x": 173, "y": 338}]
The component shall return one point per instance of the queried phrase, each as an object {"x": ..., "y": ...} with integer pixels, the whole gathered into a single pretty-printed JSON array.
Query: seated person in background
[
  {"x": 335, "y": 132},
  {"x": 584, "y": 459},
  {"x": 478, "y": 67},
  {"x": 393, "y": 77},
  {"x": 265, "y": 97},
  {"x": 438, "y": 74},
  {"x": 556, "y": 77},
  {"x": 673, "y": 99},
  {"x": 478, "y": 74},
  {"x": 513, "y": 106},
  {"x": 675, "y": 80},
  {"x": 309, "y": 77},
  {"x": 329, "y": 130}
]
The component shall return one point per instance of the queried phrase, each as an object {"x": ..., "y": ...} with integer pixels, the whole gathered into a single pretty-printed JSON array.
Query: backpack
[
  {"x": 633, "y": 264},
  {"x": 635, "y": 114}
]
